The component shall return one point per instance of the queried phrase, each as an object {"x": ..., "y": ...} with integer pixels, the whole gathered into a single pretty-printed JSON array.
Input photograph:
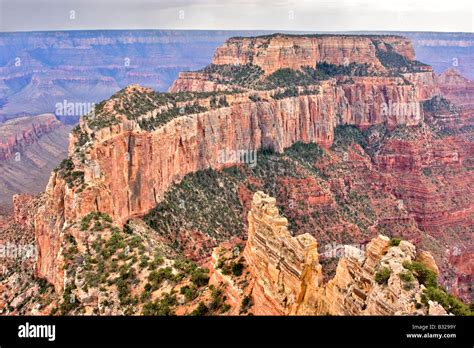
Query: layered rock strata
[
  {"x": 288, "y": 275},
  {"x": 286, "y": 51}
]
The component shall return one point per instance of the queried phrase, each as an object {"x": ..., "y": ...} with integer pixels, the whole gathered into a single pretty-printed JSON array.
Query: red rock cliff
[{"x": 285, "y": 51}]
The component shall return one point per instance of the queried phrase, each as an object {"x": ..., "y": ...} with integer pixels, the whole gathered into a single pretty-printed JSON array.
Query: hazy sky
[{"x": 305, "y": 15}]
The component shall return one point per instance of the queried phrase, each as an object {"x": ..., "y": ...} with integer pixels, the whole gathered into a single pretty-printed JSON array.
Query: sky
[{"x": 287, "y": 15}]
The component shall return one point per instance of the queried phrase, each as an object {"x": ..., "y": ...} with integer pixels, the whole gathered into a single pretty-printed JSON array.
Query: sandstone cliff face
[
  {"x": 49, "y": 223},
  {"x": 285, "y": 51},
  {"x": 195, "y": 81},
  {"x": 288, "y": 275},
  {"x": 286, "y": 268}
]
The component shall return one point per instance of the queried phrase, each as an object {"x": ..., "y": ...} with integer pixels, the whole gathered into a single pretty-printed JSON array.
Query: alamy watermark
[
  {"x": 242, "y": 156},
  {"x": 335, "y": 251},
  {"x": 18, "y": 251},
  {"x": 401, "y": 109},
  {"x": 67, "y": 108},
  {"x": 396, "y": 109}
]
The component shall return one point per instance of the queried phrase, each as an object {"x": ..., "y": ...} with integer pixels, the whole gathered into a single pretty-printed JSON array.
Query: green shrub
[
  {"x": 200, "y": 310},
  {"x": 97, "y": 217},
  {"x": 217, "y": 299},
  {"x": 395, "y": 241},
  {"x": 145, "y": 296},
  {"x": 200, "y": 276},
  {"x": 382, "y": 276},
  {"x": 291, "y": 91},
  {"x": 69, "y": 302},
  {"x": 143, "y": 261},
  {"x": 225, "y": 307},
  {"x": 189, "y": 292},
  {"x": 115, "y": 242},
  {"x": 66, "y": 170},
  {"x": 421, "y": 273},
  {"x": 156, "y": 277},
  {"x": 164, "y": 306},
  {"x": 237, "y": 268},
  {"x": 157, "y": 261},
  {"x": 287, "y": 77},
  {"x": 406, "y": 276},
  {"x": 449, "y": 302},
  {"x": 247, "y": 75},
  {"x": 246, "y": 304},
  {"x": 326, "y": 70}
]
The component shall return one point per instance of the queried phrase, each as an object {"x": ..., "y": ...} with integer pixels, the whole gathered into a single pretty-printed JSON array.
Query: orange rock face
[
  {"x": 285, "y": 51},
  {"x": 288, "y": 275},
  {"x": 285, "y": 267}
]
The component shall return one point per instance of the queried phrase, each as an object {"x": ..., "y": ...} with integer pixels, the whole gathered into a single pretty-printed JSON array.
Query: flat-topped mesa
[
  {"x": 288, "y": 277},
  {"x": 261, "y": 62},
  {"x": 279, "y": 51}
]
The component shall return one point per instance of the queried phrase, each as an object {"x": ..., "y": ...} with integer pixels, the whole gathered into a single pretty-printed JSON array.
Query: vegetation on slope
[
  {"x": 439, "y": 106},
  {"x": 118, "y": 264},
  {"x": 212, "y": 201},
  {"x": 246, "y": 75},
  {"x": 139, "y": 105},
  {"x": 67, "y": 171},
  {"x": 252, "y": 76},
  {"x": 393, "y": 60},
  {"x": 433, "y": 291}
]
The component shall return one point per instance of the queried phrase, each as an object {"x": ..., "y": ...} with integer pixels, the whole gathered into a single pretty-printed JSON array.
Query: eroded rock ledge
[{"x": 288, "y": 275}]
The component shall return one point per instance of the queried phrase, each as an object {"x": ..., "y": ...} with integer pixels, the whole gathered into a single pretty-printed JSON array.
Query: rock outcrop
[
  {"x": 288, "y": 275},
  {"x": 428, "y": 260},
  {"x": 286, "y": 268},
  {"x": 457, "y": 88},
  {"x": 275, "y": 52}
]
